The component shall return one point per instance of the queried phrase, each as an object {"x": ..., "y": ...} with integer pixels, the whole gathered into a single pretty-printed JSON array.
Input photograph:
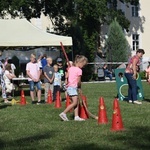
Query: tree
[
  {"x": 81, "y": 19},
  {"x": 116, "y": 44}
]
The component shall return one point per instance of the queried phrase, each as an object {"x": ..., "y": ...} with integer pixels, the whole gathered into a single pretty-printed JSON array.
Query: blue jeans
[
  {"x": 109, "y": 76},
  {"x": 32, "y": 84},
  {"x": 132, "y": 89}
]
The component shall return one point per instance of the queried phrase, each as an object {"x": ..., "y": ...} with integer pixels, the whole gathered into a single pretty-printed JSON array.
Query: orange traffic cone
[
  {"x": 85, "y": 99},
  {"x": 102, "y": 116},
  {"x": 22, "y": 98},
  {"x": 68, "y": 102},
  {"x": 83, "y": 113},
  {"x": 57, "y": 102},
  {"x": 49, "y": 97},
  {"x": 117, "y": 124}
]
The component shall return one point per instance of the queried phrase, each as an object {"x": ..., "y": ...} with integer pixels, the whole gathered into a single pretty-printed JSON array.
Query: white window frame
[
  {"x": 136, "y": 12},
  {"x": 134, "y": 40}
]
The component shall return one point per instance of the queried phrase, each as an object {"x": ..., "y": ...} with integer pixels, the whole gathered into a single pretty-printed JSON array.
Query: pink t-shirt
[
  {"x": 34, "y": 70},
  {"x": 73, "y": 74},
  {"x": 129, "y": 68}
]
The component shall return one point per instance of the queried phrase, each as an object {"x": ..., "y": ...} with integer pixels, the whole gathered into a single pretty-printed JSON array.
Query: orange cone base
[
  {"x": 83, "y": 113},
  {"x": 49, "y": 100},
  {"x": 102, "y": 116},
  {"x": 68, "y": 102},
  {"x": 22, "y": 99},
  {"x": 117, "y": 124},
  {"x": 57, "y": 102}
]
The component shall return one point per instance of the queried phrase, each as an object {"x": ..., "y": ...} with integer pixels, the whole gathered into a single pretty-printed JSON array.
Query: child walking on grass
[{"x": 74, "y": 83}]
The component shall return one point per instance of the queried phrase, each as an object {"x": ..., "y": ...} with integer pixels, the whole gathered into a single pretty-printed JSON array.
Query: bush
[{"x": 142, "y": 75}]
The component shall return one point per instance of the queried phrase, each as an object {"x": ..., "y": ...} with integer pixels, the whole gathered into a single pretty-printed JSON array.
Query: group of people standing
[{"x": 53, "y": 76}]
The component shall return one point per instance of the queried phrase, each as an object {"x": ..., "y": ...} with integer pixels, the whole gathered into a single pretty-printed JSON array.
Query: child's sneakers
[
  {"x": 63, "y": 116},
  {"x": 77, "y": 118}
]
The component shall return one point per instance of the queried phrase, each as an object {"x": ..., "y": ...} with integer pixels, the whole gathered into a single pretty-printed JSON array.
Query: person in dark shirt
[
  {"x": 49, "y": 77},
  {"x": 61, "y": 70},
  {"x": 107, "y": 73}
]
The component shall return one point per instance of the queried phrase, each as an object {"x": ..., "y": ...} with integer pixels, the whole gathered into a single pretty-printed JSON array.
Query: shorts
[
  {"x": 32, "y": 84},
  {"x": 72, "y": 91}
]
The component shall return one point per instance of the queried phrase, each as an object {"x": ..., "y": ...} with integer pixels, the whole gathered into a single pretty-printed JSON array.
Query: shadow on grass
[
  {"x": 147, "y": 100},
  {"x": 86, "y": 146},
  {"x": 29, "y": 142},
  {"x": 4, "y": 106},
  {"x": 136, "y": 138}
]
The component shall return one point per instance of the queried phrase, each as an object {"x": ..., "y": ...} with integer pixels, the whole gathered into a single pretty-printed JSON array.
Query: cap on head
[{"x": 59, "y": 59}]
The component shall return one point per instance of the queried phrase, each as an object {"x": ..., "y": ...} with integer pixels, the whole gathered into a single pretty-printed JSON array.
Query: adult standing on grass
[
  {"x": 33, "y": 72},
  {"x": 131, "y": 73},
  {"x": 74, "y": 82},
  {"x": 48, "y": 77}
]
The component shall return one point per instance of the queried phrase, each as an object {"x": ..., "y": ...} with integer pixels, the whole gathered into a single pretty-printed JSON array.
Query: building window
[
  {"x": 135, "y": 11},
  {"x": 135, "y": 41}
]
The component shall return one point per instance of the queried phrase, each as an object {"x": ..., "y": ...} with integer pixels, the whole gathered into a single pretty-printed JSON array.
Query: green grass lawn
[{"x": 36, "y": 127}]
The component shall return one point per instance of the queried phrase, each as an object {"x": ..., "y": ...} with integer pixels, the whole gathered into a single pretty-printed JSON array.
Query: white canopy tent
[{"x": 20, "y": 32}]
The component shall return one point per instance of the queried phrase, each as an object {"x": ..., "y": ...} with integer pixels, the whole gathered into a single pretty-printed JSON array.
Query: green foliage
[
  {"x": 142, "y": 75},
  {"x": 116, "y": 44},
  {"x": 81, "y": 19}
]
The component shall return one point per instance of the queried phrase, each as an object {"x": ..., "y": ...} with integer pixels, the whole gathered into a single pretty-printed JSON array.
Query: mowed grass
[{"x": 36, "y": 127}]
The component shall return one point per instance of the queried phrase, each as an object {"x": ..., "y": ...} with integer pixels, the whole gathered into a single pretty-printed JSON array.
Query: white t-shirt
[
  {"x": 6, "y": 79},
  {"x": 1, "y": 70},
  {"x": 13, "y": 67},
  {"x": 33, "y": 68},
  {"x": 40, "y": 64}
]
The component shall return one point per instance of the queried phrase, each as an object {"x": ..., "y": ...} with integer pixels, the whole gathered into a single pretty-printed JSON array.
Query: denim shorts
[
  {"x": 72, "y": 91},
  {"x": 32, "y": 84}
]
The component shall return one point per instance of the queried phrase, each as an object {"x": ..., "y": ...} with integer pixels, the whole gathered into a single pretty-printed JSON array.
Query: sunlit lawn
[{"x": 36, "y": 127}]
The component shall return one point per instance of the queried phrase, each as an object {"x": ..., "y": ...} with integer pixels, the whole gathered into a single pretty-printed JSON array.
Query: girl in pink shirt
[{"x": 74, "y": 82}]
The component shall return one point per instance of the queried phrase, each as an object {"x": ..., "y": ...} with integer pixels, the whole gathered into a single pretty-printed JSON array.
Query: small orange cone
[
  {"x": 22, "y": 98},
  {"x": 85, "y": 99},
  {"x": 68, "y": 102},
  {"x": 49, "y": 97},
  {"x": 102, "y": 116},
  {"x": 117, "y": 124},
  {"x": 57, "y": 102},
  {"x": 83, "y": 113}
]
